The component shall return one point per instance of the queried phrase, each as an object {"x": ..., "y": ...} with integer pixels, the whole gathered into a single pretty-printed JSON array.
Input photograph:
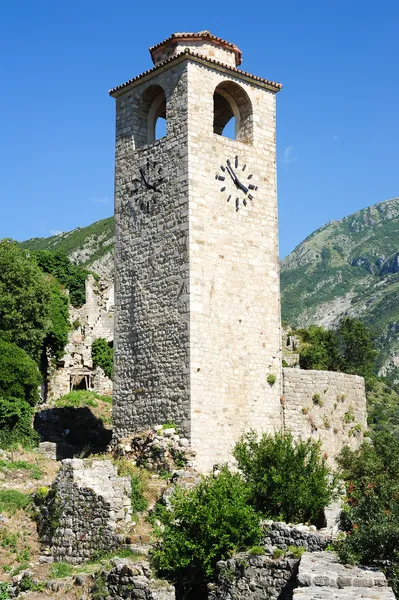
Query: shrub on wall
[
  {"x": 287, "y": 480},
  {"x": 205, "y": 524},
  {"x": 102, "y": 355},
  {"x": 19, "y": 374}
]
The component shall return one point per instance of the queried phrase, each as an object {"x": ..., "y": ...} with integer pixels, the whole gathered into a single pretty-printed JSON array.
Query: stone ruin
[
  {"x": 86, "y": 508},
  {"x": 95, "y": 319}
]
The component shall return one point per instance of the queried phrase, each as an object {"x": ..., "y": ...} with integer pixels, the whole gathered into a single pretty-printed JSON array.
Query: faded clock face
[
  {"x": 237, "y": 184},
  {"x": 145, "y": 190}
]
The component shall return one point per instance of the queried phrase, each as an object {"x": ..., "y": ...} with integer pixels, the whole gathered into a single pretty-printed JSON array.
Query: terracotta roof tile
[
  {"x": 200, "y": 35},
  {"x": 275, "y": 87}
]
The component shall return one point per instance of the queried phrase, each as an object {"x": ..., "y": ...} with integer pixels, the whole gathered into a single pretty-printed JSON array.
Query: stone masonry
[
  {"x": 197, "y": 273},
  {"x": 325, "y": 406},
  {"x": 95, "y": 319},
  {"x": 86, "y": 506}
]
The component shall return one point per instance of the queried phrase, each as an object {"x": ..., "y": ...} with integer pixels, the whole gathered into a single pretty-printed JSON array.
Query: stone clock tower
[{"x": 196, "y": 250}]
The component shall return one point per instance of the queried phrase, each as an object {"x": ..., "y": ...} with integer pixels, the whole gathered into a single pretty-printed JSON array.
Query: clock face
[
  {"x": 237, "y": 183},
  {"x": 145, "y": 188}
]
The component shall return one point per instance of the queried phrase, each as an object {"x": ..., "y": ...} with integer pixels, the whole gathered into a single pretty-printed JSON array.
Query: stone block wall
[
  {"x": 281, "y": 535},
  {"x": 326, "y": 406},
  {"x": 86, "y": 506}
]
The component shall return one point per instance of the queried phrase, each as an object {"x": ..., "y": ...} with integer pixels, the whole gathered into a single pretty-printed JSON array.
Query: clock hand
[
  {"x": 235, "y": 178},
  {"x": 148, "y": 185}
]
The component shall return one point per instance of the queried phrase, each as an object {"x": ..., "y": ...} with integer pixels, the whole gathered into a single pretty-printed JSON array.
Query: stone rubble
[{"x": 281, "y": 535}]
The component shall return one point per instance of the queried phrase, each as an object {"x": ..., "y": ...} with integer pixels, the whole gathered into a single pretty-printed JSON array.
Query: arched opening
[
  {"x": 152, "y": 112},
  {"x": 232, "y": 112}
]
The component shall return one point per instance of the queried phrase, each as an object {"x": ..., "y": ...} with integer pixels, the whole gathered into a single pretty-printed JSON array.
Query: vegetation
[
  {"x": 287, "y": 480},
  {"x": 21, "y": 465},
  {"x": 59, "y": 326},
  {"x": 24, "y": 300},
  {"x": 12, "y": 500},
  {"x": 103, "y": 355},
  {"x": 71, "y": 276},
  {"x": 349, "y": 348},
  {"x": 205, "y": 524},
  {"x": 138, "y": 483},
  {"x": 16, "y": 423},
  {"x": 82, "y": 398},
  {"x": 19, "y": 374},
  {"x": 371, "y": 513}
]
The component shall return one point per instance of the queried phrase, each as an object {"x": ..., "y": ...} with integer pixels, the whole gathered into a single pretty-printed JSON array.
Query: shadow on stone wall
[{"x": 76, "y": 431}]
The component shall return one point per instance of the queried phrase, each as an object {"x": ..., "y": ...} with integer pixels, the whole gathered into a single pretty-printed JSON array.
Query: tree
[
  {"x": 319, "y": 349},
  {"x": 287, "y": 480},
  {"x": 205, "y": 524},
  {"x": 24, "y": 299},
  {"x": 19, "y": 375},
  {"x": 57, "y": 332},
  {"x": 370, "y": 517},
  {"x": 69, "y": 275},
  {"x": 356, "y": 347}
]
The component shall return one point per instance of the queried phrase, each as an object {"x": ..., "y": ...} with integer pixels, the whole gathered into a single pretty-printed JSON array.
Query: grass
[
  {"x": 82, "y": 398},
  {"x": 60, "y": 570},
  {"x": 21, "y": 465},
  {"x": 12, "y": 500}
]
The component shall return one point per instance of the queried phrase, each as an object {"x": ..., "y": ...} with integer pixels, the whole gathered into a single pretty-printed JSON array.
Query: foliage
[
  {"x": 21, "y": 465},
  {"x": 287, "y": 480},
  {"x": 24, "y": 299},
  {"x": 205, "y": 524},
  {"x": 102, "y": 355},
  {"x": 370, "y": 516},
  {"x": 5, "y": 591},
  {"x": 57, "y": 332},
  {"x": 271, "y": 379},
  {"x": 318, "y": 349},
  {"x": 350, "y": 348},
  {"x": 382, "y": 405},
  {"x": 13, "y": 500},
  {"x": 356, "y": 347},
  {"x": 16, "y": 423},
  {"x": 60, "y": 570},
  {"x": 138, "y": 483},
  {"x": 19, "y": 374},
  {"x": 71, "y": 276}
]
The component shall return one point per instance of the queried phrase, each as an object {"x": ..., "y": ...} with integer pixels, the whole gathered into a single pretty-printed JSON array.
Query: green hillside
[
  {"x": 349, "y": 267},
  {"x": 90, "y": 246}
]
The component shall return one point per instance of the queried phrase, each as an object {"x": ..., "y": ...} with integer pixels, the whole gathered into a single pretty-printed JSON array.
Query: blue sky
[{"x": 337, "y": 123}]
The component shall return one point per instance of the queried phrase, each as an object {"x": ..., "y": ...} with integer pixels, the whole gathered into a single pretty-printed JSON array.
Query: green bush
[
  {"x": 102, "y": 355},
  {"x": 205, "y": 524},
  {"x": 5, "y": 591},
  {"x": 370, "y": 516},
  {"x": 16, "y": 423},
  {"x": 287, "y": 480},
  {"x": 71, "y": 276},
  {"x": 19, "y": 375},
  {"x": 58, "y": 329}
]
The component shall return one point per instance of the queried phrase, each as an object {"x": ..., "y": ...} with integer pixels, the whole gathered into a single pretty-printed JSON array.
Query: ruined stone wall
[
  {"x": 325, "y": 405},
  {"x": 86, "y": 505},
  {"x": 95, "y": 319},
  {"x": 281, "y": 535}
]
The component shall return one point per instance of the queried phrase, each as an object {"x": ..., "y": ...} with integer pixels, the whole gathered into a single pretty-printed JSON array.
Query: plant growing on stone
[
  {"x": 16, "y": 423},
  {"x": 271, "y": 379},
  {"x": 288, "y": 480},
  {"x": 370, "y": 516},
  {"x": 103, "y": 355},
  {"x": 204, "y": 525}
]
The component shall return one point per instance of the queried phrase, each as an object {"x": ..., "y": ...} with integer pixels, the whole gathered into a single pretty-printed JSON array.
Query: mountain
[
  {"x": 349, "y": 267},
  {"x": 91, "y": 246}
]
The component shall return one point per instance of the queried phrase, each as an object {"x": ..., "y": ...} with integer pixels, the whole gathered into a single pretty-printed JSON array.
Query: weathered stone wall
[
  {"x": 127, "y": 579},
  {"x": 246, "y": 577},
  {"x": 197, "y": 282},
  {"x": 95, "y": 319},
  {"x": 235, "y": 336},
  {"x": 282, "y": 535},
  {"x": 327, "y": 406},
  {"x": 83, "y": 510}
]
